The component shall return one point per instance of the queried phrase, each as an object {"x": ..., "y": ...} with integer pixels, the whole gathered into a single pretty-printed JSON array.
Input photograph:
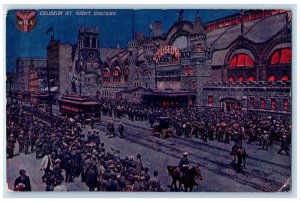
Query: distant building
[
  {"x": 85, "y": 72},
  {"x": 238, "y": 62},
  {"x": 59, "y": 61},
  {"x": 26, "y": 80}
]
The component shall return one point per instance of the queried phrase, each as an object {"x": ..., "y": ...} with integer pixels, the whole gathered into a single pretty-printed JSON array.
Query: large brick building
[{"x": 242, "y": 61}]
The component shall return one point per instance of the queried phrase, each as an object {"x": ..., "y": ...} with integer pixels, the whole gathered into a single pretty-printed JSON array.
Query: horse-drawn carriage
[{"x": 163, "y": 127}]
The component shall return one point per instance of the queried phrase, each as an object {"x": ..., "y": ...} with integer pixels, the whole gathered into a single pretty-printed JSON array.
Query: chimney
[
  {"x": 139, "y": 36},
  {"x": 157, "y": 28}
]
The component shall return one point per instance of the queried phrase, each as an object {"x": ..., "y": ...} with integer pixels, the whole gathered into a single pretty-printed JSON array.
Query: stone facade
[
  {"x": 221, "y": 64},
  {"x": 85, "y": 69}
]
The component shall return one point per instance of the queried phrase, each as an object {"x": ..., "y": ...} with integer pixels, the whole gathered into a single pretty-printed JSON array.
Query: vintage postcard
[{"x": 148, "y": 100}]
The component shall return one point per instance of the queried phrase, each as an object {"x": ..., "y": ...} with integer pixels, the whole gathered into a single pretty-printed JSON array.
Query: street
[{"x": 265, "y": 170}]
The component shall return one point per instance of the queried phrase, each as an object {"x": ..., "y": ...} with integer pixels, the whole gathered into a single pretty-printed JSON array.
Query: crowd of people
[
  {"x": 210, "y": 123},
  {"x": 66, "y": 153},
  {"x": 63, "y": 147}
]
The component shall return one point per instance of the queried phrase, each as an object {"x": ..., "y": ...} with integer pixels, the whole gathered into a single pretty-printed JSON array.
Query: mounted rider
[{"x": 184, "y": 164}]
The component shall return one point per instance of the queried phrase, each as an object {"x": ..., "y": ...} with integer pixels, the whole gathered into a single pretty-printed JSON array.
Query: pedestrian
[
  {"x": 22, "y": 183},
  {"x": 284, "y": 146},
  {"x": 46, "y": 165},
  {"x": 121, "y": 130},
  {"x": 265, "y": 139}
]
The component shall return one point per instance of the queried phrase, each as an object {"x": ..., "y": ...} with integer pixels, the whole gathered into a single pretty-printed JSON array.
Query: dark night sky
[{"x": 113, "y": 29}]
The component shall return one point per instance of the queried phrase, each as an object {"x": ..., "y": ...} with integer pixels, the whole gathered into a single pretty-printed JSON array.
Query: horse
[
  {"x": 174, "y": 172},
  {"x": 188, "y": 179},
  {"x": 239, "y": 152}
]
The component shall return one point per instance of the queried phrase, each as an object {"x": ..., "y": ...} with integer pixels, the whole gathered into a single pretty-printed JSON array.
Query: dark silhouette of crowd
[{"x": 66, "y": 153}]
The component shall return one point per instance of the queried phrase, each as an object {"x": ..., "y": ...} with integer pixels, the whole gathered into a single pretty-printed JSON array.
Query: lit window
[
  {"x": 231, "y": 79},
  {"x": 262, "y": 103},
  {"x": 191, "y": 71},
  {"x": 233, "y": 62},
  {"x": 285, "y": 78},
  {"x": 273, "y": 104},
  {"x": 285, "y": 56},
  {"x": 251, "y": 78},
  {"x": 210, "y": 100},
  {"x": 241, "y": 78},
  {"x": 281, "y": 56},
  {"x": 272, "y": 78},
  {"x": 241, "y": 60},
  {"x": 285, "y": 105}
]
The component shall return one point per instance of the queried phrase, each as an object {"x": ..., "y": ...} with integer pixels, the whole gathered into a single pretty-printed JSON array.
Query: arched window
[
  {"x": 117, "y": 74},
  {"x": 241, "y": 60},
  {"x": 281, "y": 56},
  {"x": 191, "y": 71},
  {"x": 241, "y": 79},
  {"x": 106, "y": 75},
  {"x": 126, "y": 72},
  {"x": 231, "y": 79},
  {"x": 251, "y": 78},
  {"x": 87, "y": 42},
  {"x": 285, "y": 78},
  {"x": 272, "y": 78},
  {"x": 94, "y": 42}
]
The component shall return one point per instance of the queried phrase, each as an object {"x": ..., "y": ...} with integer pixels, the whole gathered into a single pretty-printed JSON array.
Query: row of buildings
[{"x": 239, "y": 62}]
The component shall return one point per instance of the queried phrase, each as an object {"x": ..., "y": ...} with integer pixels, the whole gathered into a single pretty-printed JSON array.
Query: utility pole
[{"x": 49, "y": 92}]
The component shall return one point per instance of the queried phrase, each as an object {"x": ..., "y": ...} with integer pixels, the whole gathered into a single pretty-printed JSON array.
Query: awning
[
  {"x": 52, "y": 89},
  {"x": 169, "y": 93}
]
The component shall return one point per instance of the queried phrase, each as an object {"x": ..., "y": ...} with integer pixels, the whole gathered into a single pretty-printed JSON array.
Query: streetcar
[{"x": 78, "y": 106}]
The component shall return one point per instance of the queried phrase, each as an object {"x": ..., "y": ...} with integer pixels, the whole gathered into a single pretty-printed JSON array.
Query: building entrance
[{"x": 229, "y": 104}]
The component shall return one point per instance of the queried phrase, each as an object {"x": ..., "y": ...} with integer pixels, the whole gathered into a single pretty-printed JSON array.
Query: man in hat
[
  {"x": 184, "y": 164},
  {"x": 284, "y": 145},
  {"x": 155, "y": 182},
  {"x": 46, "y": 165},
  {"x": 22, "y": 183},
  {"x": 265, "y": 139}
]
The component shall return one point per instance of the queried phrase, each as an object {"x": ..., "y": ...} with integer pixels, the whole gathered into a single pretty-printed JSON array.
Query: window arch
[
  {"x": 87, "y": 42},
  {"x": 251, "y": 78},
  {"x": 241, "y": 60},
  {"x": 272, "y": 78},
  {"x": 117, "y": 74},
  {"x": 231, "y": 79},
  {"x": 281, "y": 56},
  {"x": 240, "y": 78},
  {"x": 126, "y": 72},
  {"x": 106, "y": 75}
]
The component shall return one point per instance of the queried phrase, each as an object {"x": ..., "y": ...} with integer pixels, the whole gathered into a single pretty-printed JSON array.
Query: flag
[{"x": 50, "y": 29}]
